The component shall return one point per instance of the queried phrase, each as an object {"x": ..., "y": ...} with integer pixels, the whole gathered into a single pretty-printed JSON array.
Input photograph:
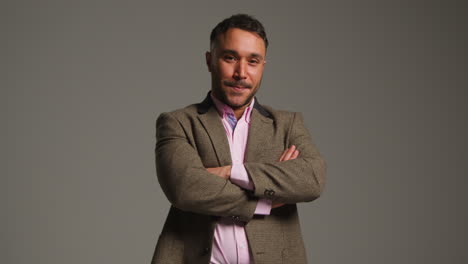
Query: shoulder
[
  {"x": 181, "y": 114},
  {"x": 175, "y": 122},
  {"x": 278, "y": 115}
]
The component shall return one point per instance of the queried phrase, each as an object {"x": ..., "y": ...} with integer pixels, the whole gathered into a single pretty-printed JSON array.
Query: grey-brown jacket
[{"x": 192, "y": 139}]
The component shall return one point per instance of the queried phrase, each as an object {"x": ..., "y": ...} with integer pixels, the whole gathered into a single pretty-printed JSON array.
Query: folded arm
[
  {"x": 186, "y": 182},
  {"x": 296, "y": 180},
  {"x": 239, "y": 176}
]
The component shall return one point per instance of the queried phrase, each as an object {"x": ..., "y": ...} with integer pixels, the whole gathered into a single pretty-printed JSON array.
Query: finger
[
  {"x": 289, "y": 153},
  {"x": 295, "y": 154},
  {"x": 275, "y": 205},
  {"x": 227, "y": 172},
  {"x": 216, "y": 171},
  {"x": 289, "y": 150},
  {"x": 282, "y": 155}
]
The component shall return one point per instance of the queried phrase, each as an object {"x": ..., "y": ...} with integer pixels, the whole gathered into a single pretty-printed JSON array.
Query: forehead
[{"x": 241, "y": 41}]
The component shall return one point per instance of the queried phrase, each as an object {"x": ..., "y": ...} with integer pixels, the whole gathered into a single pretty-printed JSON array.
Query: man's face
[{"x": 236, "y": 64}]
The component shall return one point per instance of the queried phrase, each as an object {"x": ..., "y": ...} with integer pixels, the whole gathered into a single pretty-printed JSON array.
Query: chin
[
  {"x": 237, "y": 103},
  {"x": 233, "y": 99}
]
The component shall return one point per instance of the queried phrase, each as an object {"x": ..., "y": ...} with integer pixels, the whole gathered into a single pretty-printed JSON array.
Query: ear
[{"x": 208, "y": 60}]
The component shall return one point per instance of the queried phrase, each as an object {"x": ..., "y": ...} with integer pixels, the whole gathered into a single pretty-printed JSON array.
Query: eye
[
  {"x": 254, "y": 61},
  {"x": 229, "y": 58}
]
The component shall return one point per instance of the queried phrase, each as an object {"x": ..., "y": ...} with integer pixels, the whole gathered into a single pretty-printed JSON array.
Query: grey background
[{"x": 382, "y": 85}]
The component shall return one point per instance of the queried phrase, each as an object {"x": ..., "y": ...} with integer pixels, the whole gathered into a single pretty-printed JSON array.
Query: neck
[{"x": 238, "y": 112}]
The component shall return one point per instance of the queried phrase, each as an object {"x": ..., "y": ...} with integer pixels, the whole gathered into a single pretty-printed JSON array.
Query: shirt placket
[
  {"x": 235, "y": 247},
  {"x": 237, "y": 156}
]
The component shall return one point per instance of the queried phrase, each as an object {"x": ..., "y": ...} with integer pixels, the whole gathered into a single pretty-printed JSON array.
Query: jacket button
[
  {"x": 206, "y": 251},
  {"x": 235, "y": 217}
]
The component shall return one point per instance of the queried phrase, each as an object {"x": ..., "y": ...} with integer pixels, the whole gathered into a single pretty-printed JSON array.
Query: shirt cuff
[
  {"x": 263, "y": 207},
  {"x": 240, "y": 177}
]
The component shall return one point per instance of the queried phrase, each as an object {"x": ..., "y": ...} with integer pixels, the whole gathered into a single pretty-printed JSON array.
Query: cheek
[
  {"x": 225, "y": 72},
  {"x": 223, "y": 67},
  {"x": 256, "y": 74}
]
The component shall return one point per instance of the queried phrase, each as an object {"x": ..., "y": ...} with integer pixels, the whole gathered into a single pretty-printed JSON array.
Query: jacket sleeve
[
  {"x": 186, "y": 182},
  {"x": 292, "y": 181}
]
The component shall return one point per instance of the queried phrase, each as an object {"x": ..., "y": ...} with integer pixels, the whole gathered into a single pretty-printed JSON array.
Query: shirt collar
[{"x": 223, "y": 109}]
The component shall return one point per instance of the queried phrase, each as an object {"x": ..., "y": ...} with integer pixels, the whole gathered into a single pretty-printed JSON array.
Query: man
[{"x": 234, "y": 169}]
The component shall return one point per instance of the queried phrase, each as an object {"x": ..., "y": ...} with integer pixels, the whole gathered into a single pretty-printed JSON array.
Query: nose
[{"x": 240, "y": 72}]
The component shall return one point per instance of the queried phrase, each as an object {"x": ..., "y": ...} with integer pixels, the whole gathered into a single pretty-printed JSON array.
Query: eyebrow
[{"x": 233, "y": 52}]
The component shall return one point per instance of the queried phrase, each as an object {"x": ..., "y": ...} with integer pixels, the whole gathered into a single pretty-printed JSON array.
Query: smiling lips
[
  {"x": 238, "y": 88},
  {"x": 239, "y": 85}
]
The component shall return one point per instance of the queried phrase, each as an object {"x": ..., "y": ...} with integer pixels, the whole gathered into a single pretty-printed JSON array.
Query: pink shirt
[{"x": 230, "y": 244}]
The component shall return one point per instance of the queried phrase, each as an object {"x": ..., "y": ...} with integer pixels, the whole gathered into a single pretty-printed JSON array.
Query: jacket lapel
[
  {"x": 210, "y": 120},
  {"x": 260, "y": 134}
]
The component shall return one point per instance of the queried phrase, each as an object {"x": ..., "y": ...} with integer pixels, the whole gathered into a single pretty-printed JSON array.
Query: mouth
[{"x": 239, "y": 88}]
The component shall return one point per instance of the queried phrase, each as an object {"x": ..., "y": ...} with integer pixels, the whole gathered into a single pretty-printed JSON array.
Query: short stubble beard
[{"x": 220, "y": 95}]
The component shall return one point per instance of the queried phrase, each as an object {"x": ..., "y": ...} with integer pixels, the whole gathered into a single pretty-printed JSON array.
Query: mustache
[{"x": 237, "y": 83}]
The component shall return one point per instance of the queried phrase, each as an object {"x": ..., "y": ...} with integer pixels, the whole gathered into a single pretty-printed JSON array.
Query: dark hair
[{"x": 241, "y": 21}]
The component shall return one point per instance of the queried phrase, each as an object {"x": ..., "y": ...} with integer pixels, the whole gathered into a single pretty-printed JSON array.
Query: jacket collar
[{"x": 204, "y": 106}]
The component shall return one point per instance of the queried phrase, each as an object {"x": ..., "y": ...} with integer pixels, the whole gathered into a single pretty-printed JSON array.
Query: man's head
[{"x": 236, "y": 59}]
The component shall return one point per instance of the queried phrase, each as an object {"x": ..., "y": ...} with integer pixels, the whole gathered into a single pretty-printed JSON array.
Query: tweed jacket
[{"x": 191, "y": 139}]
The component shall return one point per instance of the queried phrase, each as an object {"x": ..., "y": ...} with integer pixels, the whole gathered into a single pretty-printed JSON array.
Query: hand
[
  {"x": 289, "y": 154},
  {"x": 223, "y": 172}
]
